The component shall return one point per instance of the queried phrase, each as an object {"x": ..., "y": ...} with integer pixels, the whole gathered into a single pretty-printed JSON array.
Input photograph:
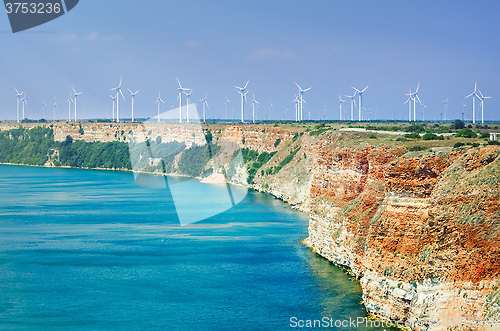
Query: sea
[{"x": 92, "y": 250}]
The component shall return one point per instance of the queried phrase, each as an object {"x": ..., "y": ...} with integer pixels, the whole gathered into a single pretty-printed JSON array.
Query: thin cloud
[
  {"x": 264, "y": 54},
  {"x": 95, "y": 36},
  {"x": 193, "y": 44}
]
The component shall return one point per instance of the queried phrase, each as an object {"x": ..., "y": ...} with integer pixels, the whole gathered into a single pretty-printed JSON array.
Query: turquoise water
[{"x": 91, "y": 250}]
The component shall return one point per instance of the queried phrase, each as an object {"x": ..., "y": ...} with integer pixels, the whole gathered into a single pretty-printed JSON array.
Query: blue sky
[{"x": 213, "y": 45}]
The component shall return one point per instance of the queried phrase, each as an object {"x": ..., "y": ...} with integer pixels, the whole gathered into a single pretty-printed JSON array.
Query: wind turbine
[
  {"x": 324, "y": 113},
  {"x": 23, "y": 100},
  {"x": 480, "y": 96},
  {"x": 463, "y": 107},
  {"x": 179, "y": 98},
  {"x": 54, "y": 106},
  {"x": 253, "y": 107},
  {"x": 445, "y": 107},
  {"x": 43, "y": 108},
  {"x": 241, "y": 90},
  {"x": 301, "y": 99},
  {"x": 341, "y": 101},
  {"x": 158, "y": 102},
  {"x": 132, "y": 94},
  {"x": 69, "y": 101},
  {"x": 423, "y": 111},
  {"x": 270, "y": 109},
  {"x": 473, "y": 94},
  {"x": 114, "y": 100},
  {"x": 204, "y": 104},
  {"x": 296, "y": 102},
  {"x": 76, "y": 96},
  {"x": 118, "y": 91},
  {"x": 188, "y": 95},
  {"x": 360, "y": 106},
  {"x": 18, "y": 100},
  {"x": 353, "y": 103},
  {"x": 226, "y": 100},
  {"x": 410, "y": 98}
]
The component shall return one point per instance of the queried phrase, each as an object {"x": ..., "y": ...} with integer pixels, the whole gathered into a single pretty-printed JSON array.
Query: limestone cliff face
[{"x": 422, "y": 233}]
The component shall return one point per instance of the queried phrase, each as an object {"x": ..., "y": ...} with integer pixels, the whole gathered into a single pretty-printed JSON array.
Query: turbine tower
[
  {"x": 360, "y": 106},
  {"x": 54, "y": 106},
  {"x": 114, "y": 101},
  {"x": 188, "y": 95},
  {"x": 118, "y": 91},
  {"x": 43, "y": 108},
  {"x": 353, "y": 103},
  {"x": 23, "y": 100},
  {"x": 481, "y": 97},
  {"x": 301, "y": 99},
  {"x": 410, "y": 98},
  {"x": 341, "y": 101},
  {"x": 296, "y": 102},
  {"x": 158, "y": 102},
  {"x": 226, "y": 100},
  {"x": 18, "y": 100},
  {"x": 241, "y": 90},
  {"x": 473, "y": 94},
  {"x": 69, "y": 101},
  {"x": 132, "y": 95},
  {"x": 445, "y": 106},
  {"x": 254, "y": 102},
  {"x": 204, "y": 104},
  {"x": 179, "y": 98},
  {"x": 76, "y": 96}
]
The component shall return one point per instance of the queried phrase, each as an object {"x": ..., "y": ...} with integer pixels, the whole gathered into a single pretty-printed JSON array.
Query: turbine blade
[{"x": 246, "y": 84}]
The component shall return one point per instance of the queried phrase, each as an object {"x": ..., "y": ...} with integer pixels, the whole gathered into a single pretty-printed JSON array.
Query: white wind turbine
[
  {"x": 69, "y": 101},
  {"x": 118, "y": 91},
  {"x": 353, "y": 103},
  {"x": 43, "y": 108},
  {"x": 410, "y": 98},
  {"x": 301, "y": 99},
  {"x": 481, "y": 97},
  {"x": 179, "y": 98},
  {"x": 241, "y": 90},
  {"x": 23, "y": 100},
  {"x": 226, "y": 100},
  {"x": 114, "y": 101},
  {"x": 270, "y": 109},
  {"x": 341, "y": 101},
  {"x": 76, "y": 96},
  {"x": 474, "y": 94},
  {"x": 188, "y": 96},
  {"x": 254, "y": 102},
  {"x": 360, "y": 106},
  {"x": 445, "y": 106},
  {"x": 54, "y": 106},
  {"x": 296, "y": 102},
  {"x": 204, "y": 104},
  {"x": 18, "y": 100},
  {"x": 132, "y": 94},
  {"x": 158, "y": 102}
]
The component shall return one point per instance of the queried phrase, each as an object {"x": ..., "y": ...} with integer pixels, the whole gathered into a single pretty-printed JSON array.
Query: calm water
[{"x": 91, "y": 250}]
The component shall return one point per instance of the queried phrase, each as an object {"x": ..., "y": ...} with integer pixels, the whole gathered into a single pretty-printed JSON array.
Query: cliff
[{"x": 419, "y": 229}]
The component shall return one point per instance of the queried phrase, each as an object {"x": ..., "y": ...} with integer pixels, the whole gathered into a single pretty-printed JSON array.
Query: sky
[{"x": 212, "y": 45}]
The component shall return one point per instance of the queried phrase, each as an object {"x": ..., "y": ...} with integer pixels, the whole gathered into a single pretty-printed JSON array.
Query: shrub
[
  {"x": 458, "y": 145},
  {"x": 432, "y": 136},
  {"x": 277, "y": 142},
  {"x": 413, "y": 135},
  {"x": 458, "y": 125},
  {"x": 466, "y": 133}
]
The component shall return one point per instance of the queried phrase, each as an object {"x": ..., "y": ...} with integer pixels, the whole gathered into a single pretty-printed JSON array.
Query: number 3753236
[{"x": 32, "y": 8}]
